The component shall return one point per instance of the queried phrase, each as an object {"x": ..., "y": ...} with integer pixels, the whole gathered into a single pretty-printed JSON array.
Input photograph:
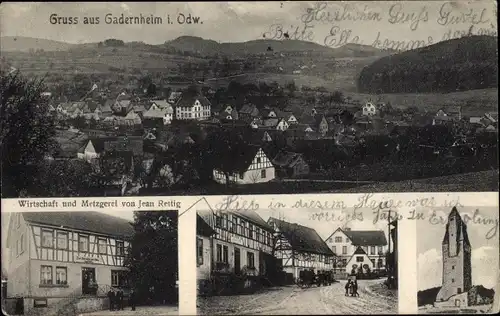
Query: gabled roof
[
  {"x": 202, "y": 227},
  {"x": 237, "y": 158},
  {"x": 302, "y": 238},
  {"x": 253, "y": 217},
  {"x": 287, "y": 159},
  {"x": 96, "y": 222},
  {"x": 364, "y": 237},
  {"x": 248, "y": 109},
  {"x": 188, "y": 99},
  {"x": 162, "y": 103},
  {"x": 119, "y": 143}
]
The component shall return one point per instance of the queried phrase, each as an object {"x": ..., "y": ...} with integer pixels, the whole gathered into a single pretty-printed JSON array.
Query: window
[
  {"x": 372, "y": 250},
  {"x": 263, "y": 174},
  {"x": 258, "y": 160},
  {"x": 61, "y": 275},
  {"x": 62, "y": 240},
  {"x": 118, "y": 278},
  {"x": 338, "y": 239},
  {"x": 380, "y": 249},
  {"x": 218, "y": 221},
  {"x": 250, "y": 260},
  {"x": 452, "y": 280},
  {"x": 219, "y": 253},
  {"x": 103, "y": 247},
  {"x": 334, "y": 249},
  {"x": 120, "y": 248},
  {"x": 47, "y": 238},
  {"x": 344, "y": 262},
  {"x": 459, "y": 290},
  {"x": 359, "y": 259},
  {"x": 373, "y": 261},
  {"x": 453, "y": 267},
  {"x": 252, "y": 236},
  {"x": 83, "y": 243},
  {"x": 224, "y": 221},
  {"x": 225, "y": 257},
  {"x": 46, "y": 275},
  {"x": 344, "y": 250},
  {"x": 199, "y": 251}
]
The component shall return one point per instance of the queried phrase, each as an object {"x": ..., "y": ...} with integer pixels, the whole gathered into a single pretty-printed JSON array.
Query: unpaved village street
[{"x": 293, "y": 300}]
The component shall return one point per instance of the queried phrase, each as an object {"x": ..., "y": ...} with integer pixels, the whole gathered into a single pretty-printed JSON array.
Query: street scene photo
[
  {"x": 90, "y": 263},
  {"x": 285, "y": 263},
  {"x": 458, "y": 267},
  {"x": 185, "y": 98}
]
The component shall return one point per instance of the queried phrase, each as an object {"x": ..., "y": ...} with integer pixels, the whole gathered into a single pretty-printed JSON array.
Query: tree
[
  {"x": 64, "y": 178},
  {"x": 26, "y": 133},
  {"x": 152, "y": 258}
]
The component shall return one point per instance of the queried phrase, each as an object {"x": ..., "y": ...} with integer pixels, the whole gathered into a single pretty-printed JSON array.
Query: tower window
[
  {"x": 459, "y": 290},
  {"x": 452, "y": 280},
  {"x": 453, "y": 267}
]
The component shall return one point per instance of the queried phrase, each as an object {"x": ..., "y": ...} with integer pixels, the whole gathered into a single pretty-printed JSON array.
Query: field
[{"x": 484, "y": 181}]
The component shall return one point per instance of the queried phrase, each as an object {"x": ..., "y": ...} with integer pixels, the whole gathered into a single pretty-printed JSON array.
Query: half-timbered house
[
  {"x": 204, "y": 241},
  {"x": 241, "y": 242},
  {"x": 300, "y": 248},
  {"x": 55, "y": 255},
  {"x": 248, "y": 164}
]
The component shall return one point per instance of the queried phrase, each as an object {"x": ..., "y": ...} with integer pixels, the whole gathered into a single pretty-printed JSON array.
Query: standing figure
[
  {"x": 355, "y": 288},
  {"x": 132, "y": 299},
  {"x": 347, "y": 286},
  {"x": 120, "y": 299},
  {"x": 111, "y": 297}
]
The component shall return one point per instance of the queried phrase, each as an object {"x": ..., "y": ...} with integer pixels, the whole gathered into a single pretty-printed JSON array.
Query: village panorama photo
[
  {"x": 267, "y": 262},
  {"x": 248, "y": 98}
]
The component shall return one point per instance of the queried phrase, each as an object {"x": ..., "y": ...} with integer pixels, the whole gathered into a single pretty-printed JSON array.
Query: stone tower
[{"x": 457, "y": 277}]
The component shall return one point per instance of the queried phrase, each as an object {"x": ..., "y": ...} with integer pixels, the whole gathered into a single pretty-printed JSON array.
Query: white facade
[
  {"x": 343, "y": 247},
  {"x": 196, "y": 111},
  {"x": 260, "y": 170},
  {"x": 89, "y": 152}
]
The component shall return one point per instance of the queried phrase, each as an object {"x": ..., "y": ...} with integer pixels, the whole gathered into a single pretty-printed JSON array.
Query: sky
[
  {"x": 485, "y": 262},
  {"x": 323, "y": 227},
  {"x": 243, "y": 21}
]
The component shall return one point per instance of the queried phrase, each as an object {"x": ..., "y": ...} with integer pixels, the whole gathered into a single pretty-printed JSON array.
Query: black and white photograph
[
  {"x": 268, "y": 262},
  {"x": 458, "y": 261},
  {"x": 90, "y": 263},
  {"x": 184, "y": 98}
]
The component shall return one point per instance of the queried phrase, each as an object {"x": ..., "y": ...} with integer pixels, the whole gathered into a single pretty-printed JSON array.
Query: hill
[
  {"x": 25, "y": 44},
  {"x": 456, "y": 65}
]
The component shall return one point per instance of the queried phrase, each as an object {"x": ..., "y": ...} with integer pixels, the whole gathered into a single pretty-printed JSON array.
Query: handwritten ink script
[
  {"x": 382, "y": 209},
  {"x": 337, "y": 24}
]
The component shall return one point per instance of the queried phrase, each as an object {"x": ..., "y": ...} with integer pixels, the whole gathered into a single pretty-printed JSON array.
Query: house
[
  {"x": 243, "y": 164},
  {"x": 268, "y": 113},
  {"x": 345, "y": 243},
  {"x": 300, "y": 248},
  {"x": 192, "y": 106},
  {"x": 452, "y": 112},
  {"x": 159, "y": 105},
  {"x": 242, "y": 240},
  {"x": 369, "y": 109},
  {"x": 204, "y": 252},
  {"x": 164, "y": 115},
  {"x": 131, "y": 119},
  {"x": 248, "y": 111},
  {"x": 290, "y": 164},
  {"x": 95, "y": 147},
  {"x": 318, "y": 122},
  {"x": 122, "y": 106},
  {"x": 55, "y": 255},
  {"x": 442, "y": 120},
  {"x": 287, "y": 116},
  {"x": 275, "y": 123}
]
